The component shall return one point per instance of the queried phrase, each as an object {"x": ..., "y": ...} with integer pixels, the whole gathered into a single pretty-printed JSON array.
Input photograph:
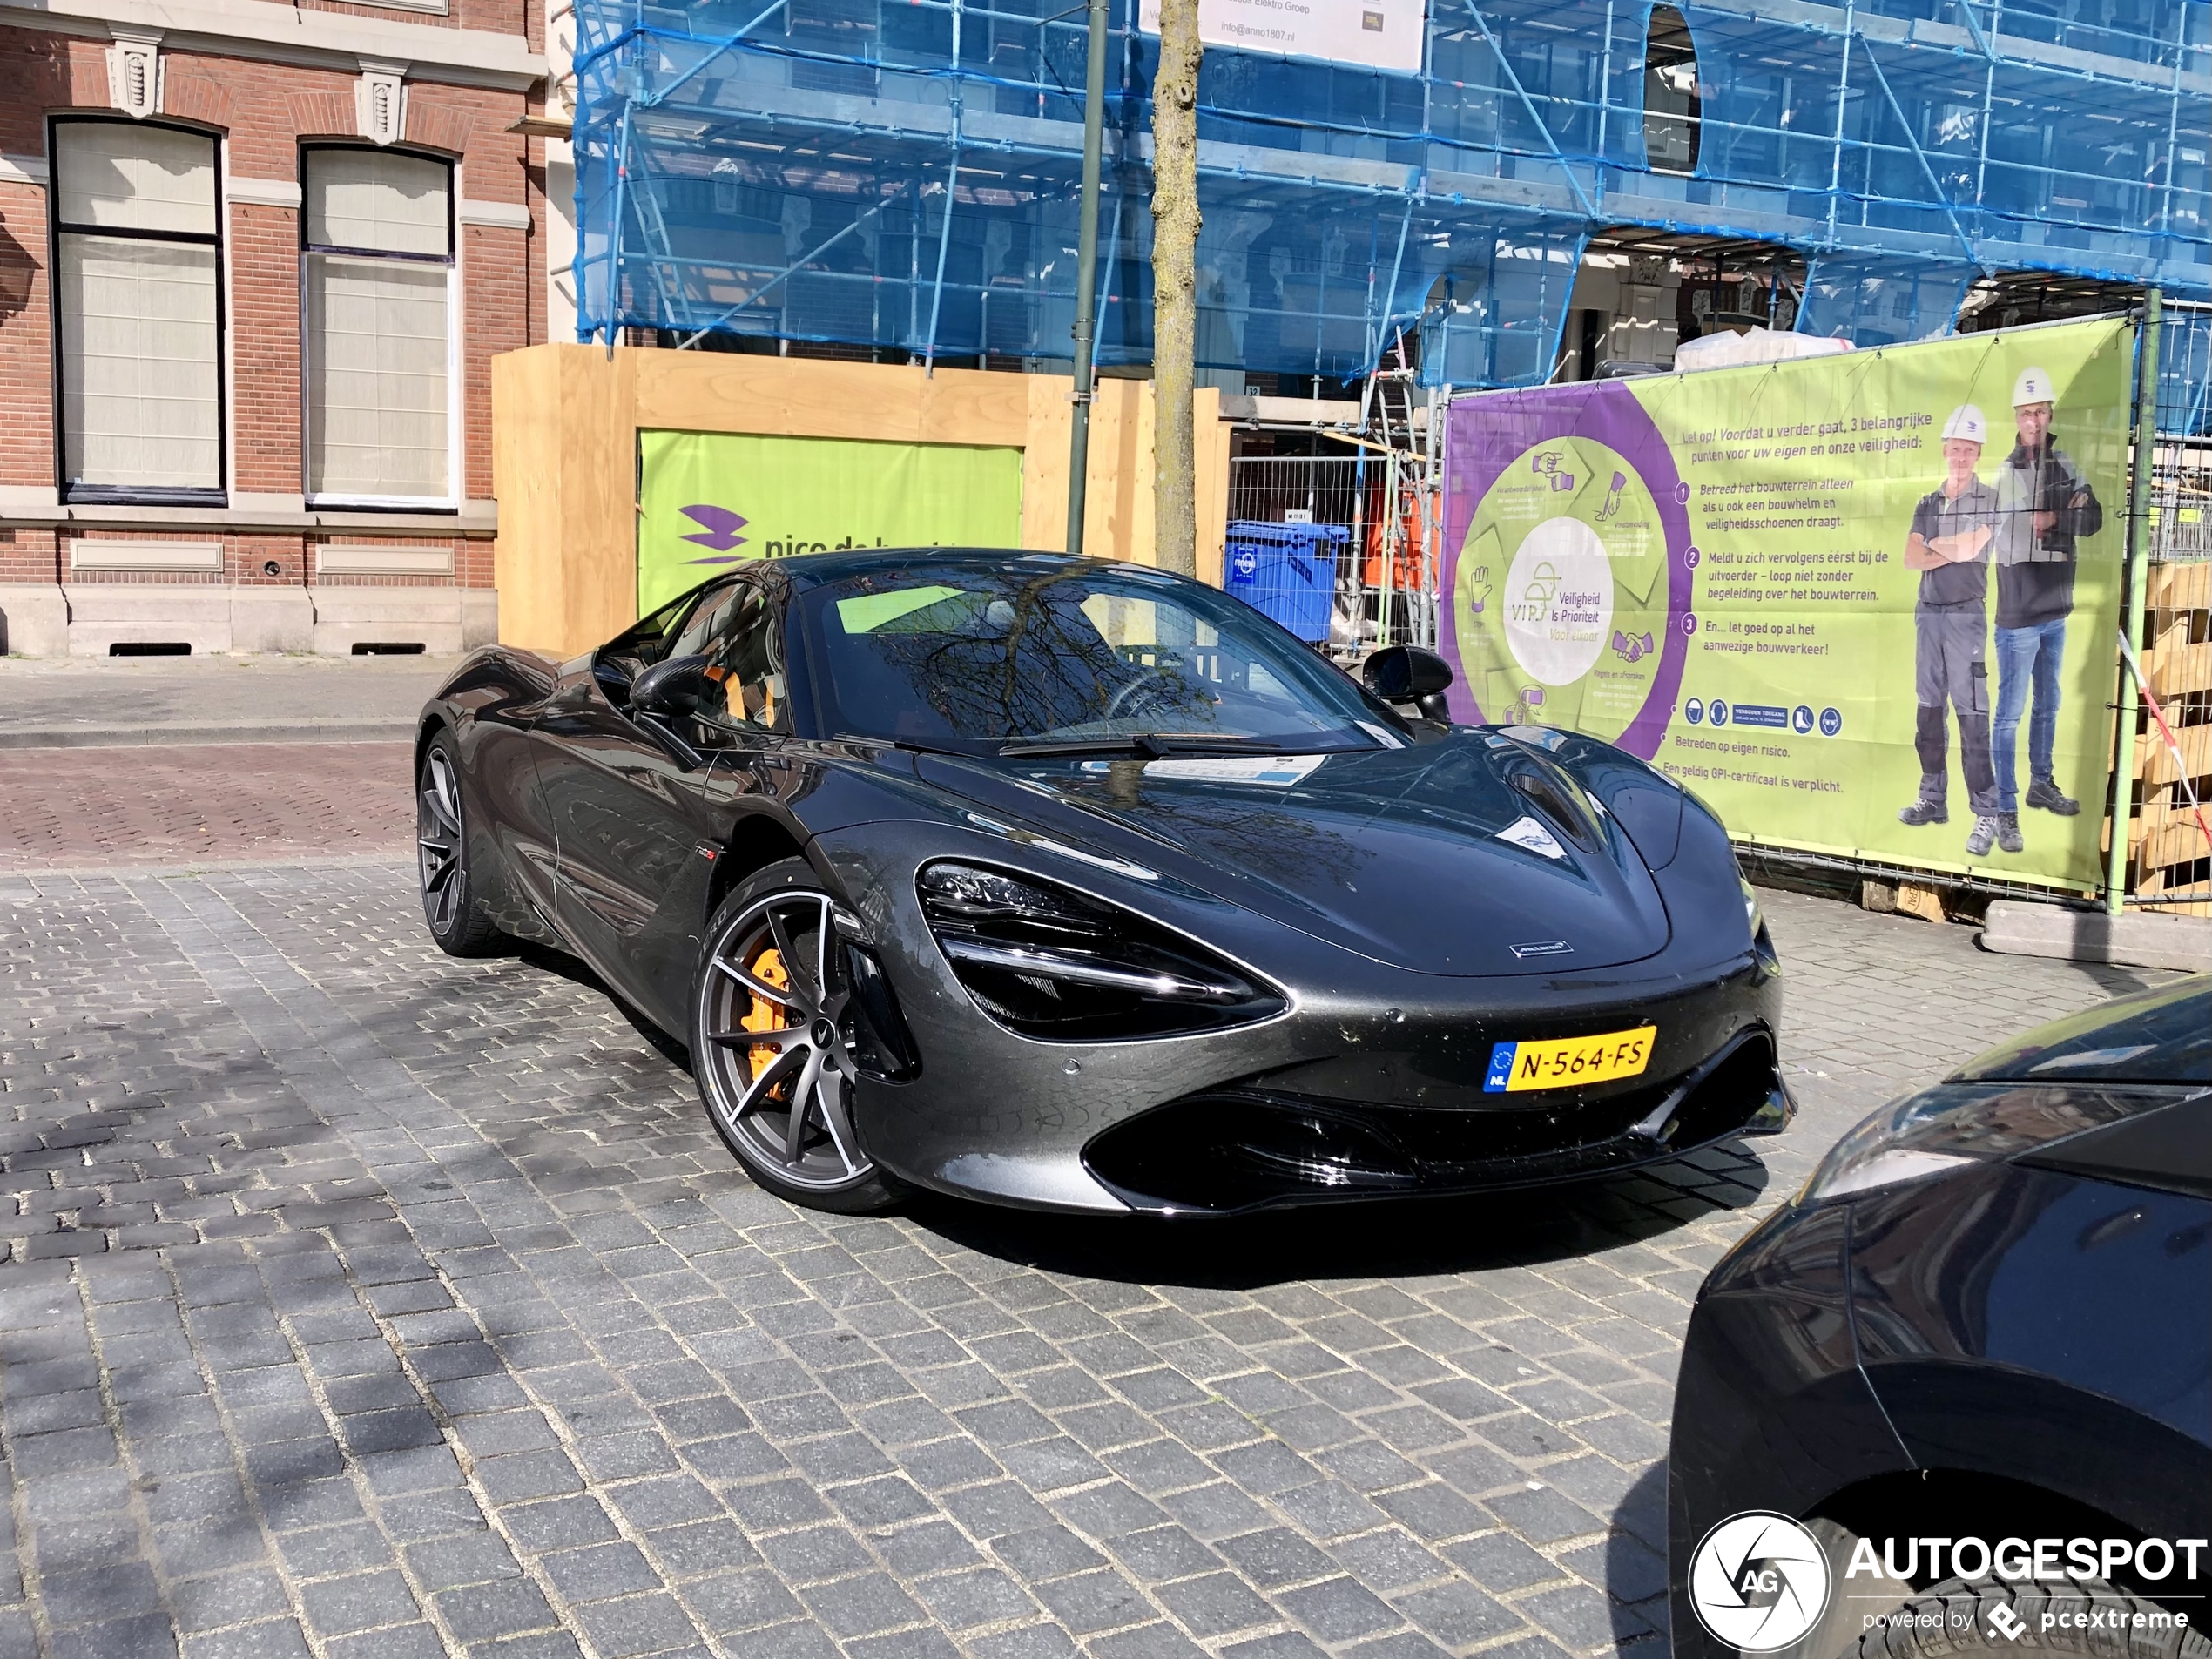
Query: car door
[
  {"x": 742, "y": 723},
  {"x": 584, "y": 704},
  {"x": 629, "y": 800},
  {"x": 510, "y": 844}
]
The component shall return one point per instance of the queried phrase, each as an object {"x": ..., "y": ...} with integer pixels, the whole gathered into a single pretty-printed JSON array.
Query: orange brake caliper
[{"x": 768, "y": 968}]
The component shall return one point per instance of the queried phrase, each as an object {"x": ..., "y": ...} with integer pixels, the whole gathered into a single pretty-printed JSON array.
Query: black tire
[
  {"x": 457, "y": 922},
  {"x": 1850, "y": 1601},
  {"x": 783, "y": 1104},
  {"x": 1953, "y": 1618}
]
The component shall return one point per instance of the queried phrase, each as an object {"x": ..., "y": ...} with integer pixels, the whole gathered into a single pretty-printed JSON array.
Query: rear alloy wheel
[
  {"x": 441, "y": 845},
  {"x": 770, "y": 1041}
]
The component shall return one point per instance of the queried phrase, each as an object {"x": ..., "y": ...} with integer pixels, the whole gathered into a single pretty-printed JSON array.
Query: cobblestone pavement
[
  {"x": 213, "y": 803},
  {"x": 362, "y": 1302},
  {"x": 75, "y": 694}
]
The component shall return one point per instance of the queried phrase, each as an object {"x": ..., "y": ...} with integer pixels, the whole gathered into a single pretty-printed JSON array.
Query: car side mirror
[
  {"x": 672, "y": 690},
  {"x": 1409, "y": 674}
]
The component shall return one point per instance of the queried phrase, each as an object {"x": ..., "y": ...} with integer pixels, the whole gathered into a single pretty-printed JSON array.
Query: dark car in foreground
[
  {"x": 1083, "y": 886},
  {"x": 1973, "y": 1356}
]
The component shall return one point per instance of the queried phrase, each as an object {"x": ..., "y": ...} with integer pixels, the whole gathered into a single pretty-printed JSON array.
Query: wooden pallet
[{"x": 2167, "y": 846}]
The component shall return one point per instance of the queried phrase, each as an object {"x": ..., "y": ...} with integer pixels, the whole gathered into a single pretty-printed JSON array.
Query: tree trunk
[{"x": 1175, "y": 285}]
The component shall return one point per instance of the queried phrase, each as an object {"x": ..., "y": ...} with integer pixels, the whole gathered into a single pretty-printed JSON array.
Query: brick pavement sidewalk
[
  {"x": 217, "y": 803},
  {"x": 115, "y": 697},
  {"x": 364, "y": 1302}
]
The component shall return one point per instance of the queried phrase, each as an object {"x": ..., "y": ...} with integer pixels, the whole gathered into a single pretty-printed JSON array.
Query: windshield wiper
[
  {"x": 1152, "y": 745},
  {"x": 915, "y": 746}
]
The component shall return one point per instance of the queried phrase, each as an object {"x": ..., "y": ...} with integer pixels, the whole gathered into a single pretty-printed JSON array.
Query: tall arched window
[
  {"x": 376, "y": 281},
  {"x": 138, "y": 291},
  {"x": 1670, "y": 107}
]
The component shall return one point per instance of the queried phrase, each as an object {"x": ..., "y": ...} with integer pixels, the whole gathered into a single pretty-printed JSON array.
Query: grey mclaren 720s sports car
[{"x": 1079, "y": 886}]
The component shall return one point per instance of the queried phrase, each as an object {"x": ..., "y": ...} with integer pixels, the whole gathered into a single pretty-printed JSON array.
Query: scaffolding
[{"x": 901, "y": 175}]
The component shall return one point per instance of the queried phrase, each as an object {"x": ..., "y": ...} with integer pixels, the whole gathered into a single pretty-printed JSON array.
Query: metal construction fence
[
  {"x": 1344, "y": 548},
  {"x": 2181, "y": 473},
  {"x": 1346, "y": 494},
  {"x": 2170, "y": 851},
  {"x": 1383, "y": 574}
]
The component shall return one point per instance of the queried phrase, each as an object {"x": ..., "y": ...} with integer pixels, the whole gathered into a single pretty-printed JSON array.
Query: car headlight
[
  {"x": 1046, "y": 961},
  {"x": 1886, "y": 1166},
  {"x": 1943, "y": 1130}
]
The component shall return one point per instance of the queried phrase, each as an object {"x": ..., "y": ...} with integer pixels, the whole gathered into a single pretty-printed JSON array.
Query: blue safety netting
[
  {"x": 903, "y": 174},
  {"x": 2185, "y": 374},
  {"x": 1876, "y": 300}
]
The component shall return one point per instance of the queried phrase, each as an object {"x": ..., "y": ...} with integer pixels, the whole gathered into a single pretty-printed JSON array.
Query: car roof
[{"x": 809, "y": 570}]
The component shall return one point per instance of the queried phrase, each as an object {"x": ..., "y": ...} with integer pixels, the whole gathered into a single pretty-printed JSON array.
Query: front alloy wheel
[
  {"x": 772, "y": 1043},
  {"x": 441, "y": 845}
]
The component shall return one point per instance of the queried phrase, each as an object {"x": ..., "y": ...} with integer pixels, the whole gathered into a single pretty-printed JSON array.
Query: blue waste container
[{"x": 1285, "y": 571}]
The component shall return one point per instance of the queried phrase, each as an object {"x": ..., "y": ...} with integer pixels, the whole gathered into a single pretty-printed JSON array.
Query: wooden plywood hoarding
[{"x": 567, "y": 421}]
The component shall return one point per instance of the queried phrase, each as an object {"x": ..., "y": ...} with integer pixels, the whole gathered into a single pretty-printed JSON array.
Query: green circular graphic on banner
[{"x": 1560, "y": 606}]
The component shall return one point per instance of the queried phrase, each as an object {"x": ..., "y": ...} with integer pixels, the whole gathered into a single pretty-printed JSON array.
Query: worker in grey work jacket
[
  {"x": 1952, "y": 528},
  {"x": 2045, "y": 505}
]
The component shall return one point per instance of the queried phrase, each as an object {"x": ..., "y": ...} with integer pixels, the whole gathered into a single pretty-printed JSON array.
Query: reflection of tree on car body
[
  {"x": 2046, "y": 505},
  {"x": 1954, "y": 526}
]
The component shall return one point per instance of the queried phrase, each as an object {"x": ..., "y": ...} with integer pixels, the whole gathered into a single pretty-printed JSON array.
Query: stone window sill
[{"x": 477, "y": 520}]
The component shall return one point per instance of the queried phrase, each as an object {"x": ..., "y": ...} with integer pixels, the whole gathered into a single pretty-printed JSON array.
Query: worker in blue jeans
[{"x": 2045, "y": 506}]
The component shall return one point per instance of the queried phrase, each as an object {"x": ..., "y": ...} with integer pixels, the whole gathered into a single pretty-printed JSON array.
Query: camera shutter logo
[{"x": 1758, "y": 1581}]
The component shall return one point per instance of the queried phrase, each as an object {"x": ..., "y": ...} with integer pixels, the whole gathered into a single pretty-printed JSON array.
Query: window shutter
[
  {"x": 139, "y": 396},
  {"x": 377, "y": 395}
]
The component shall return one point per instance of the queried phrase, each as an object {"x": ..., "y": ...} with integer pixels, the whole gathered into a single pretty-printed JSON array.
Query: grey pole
[
  {"x": 1087, "y": 275},
  {"x": 2140, "y": 481}
]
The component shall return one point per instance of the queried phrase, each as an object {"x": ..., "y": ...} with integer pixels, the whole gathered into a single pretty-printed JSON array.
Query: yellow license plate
[{"x": 1568, "y": 1062}]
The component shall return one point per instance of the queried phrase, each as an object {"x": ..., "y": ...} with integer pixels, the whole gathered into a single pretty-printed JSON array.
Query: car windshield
[{"x": 977, "y": 658}]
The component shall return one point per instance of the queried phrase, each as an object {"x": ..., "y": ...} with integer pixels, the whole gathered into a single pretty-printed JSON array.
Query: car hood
[
  {"x": 1428, "y": 858},
  {"x": 2161, "y": 1035}
]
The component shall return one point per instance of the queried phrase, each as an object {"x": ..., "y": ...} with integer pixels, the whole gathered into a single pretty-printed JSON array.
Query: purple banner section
[{"x": 1485, "y": 433}]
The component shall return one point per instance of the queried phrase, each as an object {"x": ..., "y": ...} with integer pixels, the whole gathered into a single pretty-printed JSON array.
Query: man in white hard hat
[
  {"x": 1952, "y": 526},
  {"x": 2045, "y": 506}
]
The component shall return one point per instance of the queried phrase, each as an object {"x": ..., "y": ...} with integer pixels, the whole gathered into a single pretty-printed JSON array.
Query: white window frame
[
  {"x": 456, "y": 485},
  {"x": 216, "y": 495}
]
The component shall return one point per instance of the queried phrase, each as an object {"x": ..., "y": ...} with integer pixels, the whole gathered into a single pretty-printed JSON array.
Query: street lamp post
[{"x": 1087, "y": 275}]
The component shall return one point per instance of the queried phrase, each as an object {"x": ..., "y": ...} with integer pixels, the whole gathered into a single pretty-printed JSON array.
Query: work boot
[
  {"x": 2008, "y": 832},
  {"x": 1929, "y": 809},
  {"x": 2041, "y": 792},
  {"x": 1984, "y": 832}
]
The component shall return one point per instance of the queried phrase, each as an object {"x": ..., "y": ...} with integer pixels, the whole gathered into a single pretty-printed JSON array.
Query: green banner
[
  {"x": 710, "y": 499},
  {"x": 1864, "y": 604}
]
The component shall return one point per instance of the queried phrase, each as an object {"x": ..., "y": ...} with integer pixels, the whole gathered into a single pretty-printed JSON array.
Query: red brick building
[{"x": 255, "y": 262}]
